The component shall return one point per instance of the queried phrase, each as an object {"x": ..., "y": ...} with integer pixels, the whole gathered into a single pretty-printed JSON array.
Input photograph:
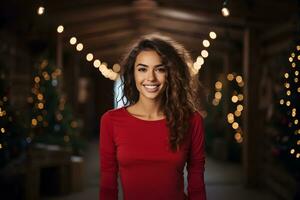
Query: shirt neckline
[{"x": 139, "y": 119}]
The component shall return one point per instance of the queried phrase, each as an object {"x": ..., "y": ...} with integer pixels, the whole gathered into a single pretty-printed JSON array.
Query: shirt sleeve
[
  {"x": 196, "y": 160},
  {"x": 108, "y": 161}
]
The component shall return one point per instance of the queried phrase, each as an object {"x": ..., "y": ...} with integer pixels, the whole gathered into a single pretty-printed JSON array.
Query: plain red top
[{"x": 139, "y": 150}]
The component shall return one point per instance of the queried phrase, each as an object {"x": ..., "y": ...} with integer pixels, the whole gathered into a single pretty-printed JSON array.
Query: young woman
[{"x": 160, "y": 129}]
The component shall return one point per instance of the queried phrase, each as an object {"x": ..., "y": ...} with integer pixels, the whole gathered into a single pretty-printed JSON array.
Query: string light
[
  {"x": 73, "y": 40},
  {"x": 212, "y": 35},
  {"x": 89, "y": 57},
  {"x": 79, "y": 47},
  {"x": 225, "y": 11},
  {"x": 218, "y": 85},
  {"x": 60, "y": 28},
  {"x": 206, "y": 43},
  {"x": 40, "y": 10},
  {"x": 97, "y": 63},
  {"x": 204, "y": 53}
]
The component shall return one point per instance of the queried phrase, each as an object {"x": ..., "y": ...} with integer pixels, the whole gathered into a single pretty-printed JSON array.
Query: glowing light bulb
[
  {"x": 40, "y": 10},
  {"x": 206, "y": 43},
  {"x": 225, "y": 12},
  {"x": 73, "y": 40},
  {"x": 60, "y": 28},
  {"x": 204, "y": 53},
  {"x": 79, "y": 47},
  {"x": 89, "y": 57},
  {"x": 212, "y": 35},
  {"x": 218, "y": 85}
]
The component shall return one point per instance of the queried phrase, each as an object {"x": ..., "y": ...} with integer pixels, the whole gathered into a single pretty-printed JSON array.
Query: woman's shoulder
[{"x": 113, "y": 113}]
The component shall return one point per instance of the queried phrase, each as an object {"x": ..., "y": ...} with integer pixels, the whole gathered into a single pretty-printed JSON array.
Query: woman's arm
[
  {"x": 196, "y": 160},
  {"x": 108, "y": 161}
]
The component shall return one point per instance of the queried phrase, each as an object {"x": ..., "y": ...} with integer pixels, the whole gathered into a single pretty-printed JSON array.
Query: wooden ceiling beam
[{"x": 99, "y": 28}]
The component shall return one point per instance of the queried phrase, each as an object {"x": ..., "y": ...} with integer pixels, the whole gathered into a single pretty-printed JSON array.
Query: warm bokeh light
[
  {"x": 116, "y": 68},
  {"x": 218, "y": 95},
  {"x": 240, "y": 97},
  {"x": 292, "y": 151},
  {"x": 240, "y": 107},
  {"x": 40, "y": 10},
  {"x": 37, "y": 79},
  {"x": 230, "y": 77},
  {"x": 79, "y": 47},
  {"x": 286, "y": 75},
  {"x": 239, "y": 79},
  {"x": 34, "y": 122},
  {"x": 89, "y": 57},
  {"x": 200, "y": 60},
  {"x": 225, "y": 12},
  {"x": 237, "y": 113},
  {"x": 73, "y": 40},
  {"x": 218, "y": 85},
  {"x": 230, "y": 118},
  {"x": 204, "y": 53},
  {"x": 60, "y": 28},
  {"x": 215, "y": 102},
  {"x": 234, "y": 99},
  {"x": 40, "y": 106},
  {"x": 212, "y": 35},
  {"x": 206, "y": 43},
  {"x": 235, "y": 125}
]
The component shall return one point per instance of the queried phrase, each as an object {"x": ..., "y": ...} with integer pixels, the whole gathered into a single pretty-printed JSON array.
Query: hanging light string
[
  {"x": 197, "y": 65},
  {"x": 112, "y": 74},
  {"x": 234, "y": 117}
]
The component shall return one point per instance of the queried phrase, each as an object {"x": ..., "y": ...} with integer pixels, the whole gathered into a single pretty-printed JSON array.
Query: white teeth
[{"x": 151, "y": 86}]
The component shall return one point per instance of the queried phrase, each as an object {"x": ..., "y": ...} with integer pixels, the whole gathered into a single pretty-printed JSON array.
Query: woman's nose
[{"x": 151, "y": 75}]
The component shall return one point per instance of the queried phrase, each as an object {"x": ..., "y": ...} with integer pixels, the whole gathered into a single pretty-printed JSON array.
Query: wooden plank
[
  {"x": 83, "y": 15},
  {"x": 100, "y": 27}
]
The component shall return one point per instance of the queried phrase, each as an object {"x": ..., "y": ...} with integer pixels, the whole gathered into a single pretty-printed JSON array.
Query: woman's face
[{"x": 149, "y": 75}]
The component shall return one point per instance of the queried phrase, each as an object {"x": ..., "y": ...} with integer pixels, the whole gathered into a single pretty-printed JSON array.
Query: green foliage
[
  {"x": 12, "y": 131},
  {"x": 52, "y": 120}
]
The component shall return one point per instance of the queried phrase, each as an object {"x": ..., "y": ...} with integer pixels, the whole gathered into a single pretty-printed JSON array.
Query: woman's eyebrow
[{"x": 144, "y": 65}]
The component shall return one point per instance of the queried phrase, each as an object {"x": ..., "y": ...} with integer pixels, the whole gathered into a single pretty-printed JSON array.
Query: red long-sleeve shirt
[{"x": 139, "y": 150}]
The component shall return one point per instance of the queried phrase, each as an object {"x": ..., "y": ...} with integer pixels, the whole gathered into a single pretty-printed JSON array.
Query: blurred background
[{"x": 59, "y": 73}]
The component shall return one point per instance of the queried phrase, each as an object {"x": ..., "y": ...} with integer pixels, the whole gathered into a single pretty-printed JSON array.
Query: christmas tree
[
  {"x": 286, "y": 141},
  {"x": 52, "y": 121},
  {"x": 12, "y": 132}
]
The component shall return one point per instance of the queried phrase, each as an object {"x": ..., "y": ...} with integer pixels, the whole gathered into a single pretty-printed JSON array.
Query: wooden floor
[{"x": 224, "y": 181}]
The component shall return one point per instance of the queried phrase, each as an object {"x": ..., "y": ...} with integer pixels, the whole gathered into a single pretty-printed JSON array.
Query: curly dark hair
[{"x": 181, "y": 96}]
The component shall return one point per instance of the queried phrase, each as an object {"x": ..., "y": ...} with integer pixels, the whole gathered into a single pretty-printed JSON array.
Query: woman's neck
[{"x": 149, "y": 109}]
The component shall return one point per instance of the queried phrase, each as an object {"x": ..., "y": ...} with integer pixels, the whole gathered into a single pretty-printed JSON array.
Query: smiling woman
[
  {"x": 159, "y": 130},
  {"x": 149, "y": 75}
]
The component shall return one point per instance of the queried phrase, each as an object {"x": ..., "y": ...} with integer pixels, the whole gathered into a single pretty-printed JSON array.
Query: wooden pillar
[{"x": 251, "y": 118}]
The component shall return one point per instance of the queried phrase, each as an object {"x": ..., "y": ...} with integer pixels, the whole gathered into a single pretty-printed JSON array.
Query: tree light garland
[{"x": 291, "y": 100}]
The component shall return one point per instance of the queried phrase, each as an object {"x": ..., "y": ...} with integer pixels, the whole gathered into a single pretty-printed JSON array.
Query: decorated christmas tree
[
  {"x": 12, "y": 133},
  {"x": 286, "y": 140},
  {"x": 52, "y": 121}
]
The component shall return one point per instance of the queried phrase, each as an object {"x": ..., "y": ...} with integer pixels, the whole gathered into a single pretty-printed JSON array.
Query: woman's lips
[{"x": 151, "y": 88}]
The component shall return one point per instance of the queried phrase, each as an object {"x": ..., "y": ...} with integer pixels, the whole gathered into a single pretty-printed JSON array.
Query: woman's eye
[
  {"x": 161, "y": 69},
  {"x": 142, "y": 69}
]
